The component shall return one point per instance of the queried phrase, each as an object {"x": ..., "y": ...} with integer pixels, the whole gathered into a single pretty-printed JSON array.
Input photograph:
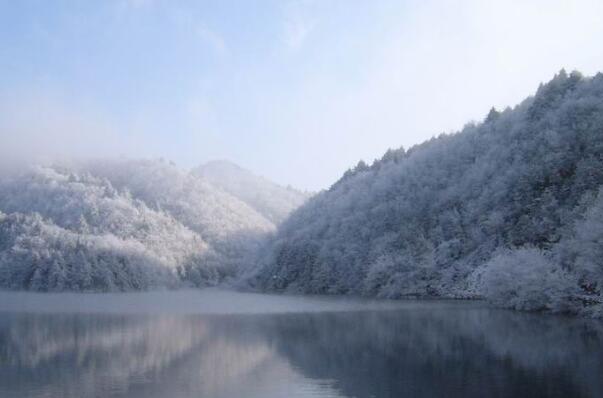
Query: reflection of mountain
[
  {"x": 446, "y": 352},
  {"x": 140, "y": 356},
  {"x": 439, "y": 349},
  {"x": 74, "y": 353}
]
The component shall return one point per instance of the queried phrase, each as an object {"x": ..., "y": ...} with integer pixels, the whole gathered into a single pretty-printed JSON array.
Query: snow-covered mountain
[
  {"x": 121, "y": 225},
  {"x": 273, "y": 201},
  {"x": 510, "y": 208}
]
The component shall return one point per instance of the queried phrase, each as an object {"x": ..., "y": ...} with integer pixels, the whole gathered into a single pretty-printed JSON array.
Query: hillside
[
  {"x": 120, "y": 225},
  {"x": 510, "y": 209},
  {"x": 269, "y": 199}
]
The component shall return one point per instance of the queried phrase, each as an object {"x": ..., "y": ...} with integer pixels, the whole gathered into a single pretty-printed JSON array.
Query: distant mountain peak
[
  {"x": 268, "y": 198},
  {"x": 222, "y": 164}
]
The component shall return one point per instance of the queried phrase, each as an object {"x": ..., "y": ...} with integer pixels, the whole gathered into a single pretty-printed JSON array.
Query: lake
[{"x": 214, "y": 343}]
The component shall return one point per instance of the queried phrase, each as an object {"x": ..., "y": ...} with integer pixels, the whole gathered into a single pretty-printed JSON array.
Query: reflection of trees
[
  {"x": 424, "y": 350},
  {"x": 79, "y": 355},
  {"x": 445, "y": 352},
  {"x": 38, "y": 339}
]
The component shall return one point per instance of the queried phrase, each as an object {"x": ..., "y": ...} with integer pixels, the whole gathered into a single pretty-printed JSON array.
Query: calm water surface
[{"x": 224, "y": 344}]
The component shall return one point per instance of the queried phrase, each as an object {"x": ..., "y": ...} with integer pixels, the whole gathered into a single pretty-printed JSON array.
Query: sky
[{"x": 294, "y": 90}]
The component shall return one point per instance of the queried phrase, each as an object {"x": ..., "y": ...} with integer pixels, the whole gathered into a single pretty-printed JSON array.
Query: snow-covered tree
[
  {"x": 120, "y": 225},
  {"x": 426, "y": 220},
  {"x": 525, "y": 279}
]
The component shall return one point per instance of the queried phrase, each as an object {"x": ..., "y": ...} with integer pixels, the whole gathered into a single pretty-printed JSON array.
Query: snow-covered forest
[
  {"x": 510, "y": 209},
  {"x": 123, "y": 225}
]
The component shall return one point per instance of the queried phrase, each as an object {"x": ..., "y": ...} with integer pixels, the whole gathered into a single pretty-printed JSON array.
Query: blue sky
[{"x": 297, "y": 91}]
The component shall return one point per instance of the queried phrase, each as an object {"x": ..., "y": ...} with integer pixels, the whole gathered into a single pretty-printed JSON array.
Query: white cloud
[
  {"x": 298, "y": 24},
  {"x": 136, "y": 4},
  {"x": 433, "y": 67},
  {"x": 296, "y": 31},
  {"x": 211, "y": 38},
  {"x": 186, "y": 22}
]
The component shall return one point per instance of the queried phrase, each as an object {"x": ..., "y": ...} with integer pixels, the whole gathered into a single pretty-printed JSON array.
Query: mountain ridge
[
  {"x": 450, "y": 217},
  {"x": 272, "y": 200},
  {"x": 121, "y": 224}
]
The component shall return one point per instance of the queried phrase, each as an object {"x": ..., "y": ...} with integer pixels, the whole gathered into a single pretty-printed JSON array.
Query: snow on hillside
[
  {"x": 269, "y": 199},
  {"x": 509, "y": 209},
  {"x": 120, "y": 225}
]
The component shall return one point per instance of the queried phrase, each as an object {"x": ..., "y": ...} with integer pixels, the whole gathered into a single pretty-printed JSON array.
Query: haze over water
[{"x": 224, "y": 344}]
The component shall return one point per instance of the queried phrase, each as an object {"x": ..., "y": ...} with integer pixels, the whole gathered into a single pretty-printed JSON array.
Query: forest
[
  {"x": 119, "y": 225},
  {"x": 509, "y": 209}
]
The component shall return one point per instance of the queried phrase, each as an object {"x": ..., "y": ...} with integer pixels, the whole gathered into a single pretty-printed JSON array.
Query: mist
[
  {"x": 291, "y": 93},
  {"x": 303, "y": 198},
  {"x": 44, "y": 128}
]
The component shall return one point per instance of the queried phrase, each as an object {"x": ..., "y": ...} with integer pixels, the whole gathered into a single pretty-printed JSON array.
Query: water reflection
[{"x": 433, "y": 350}]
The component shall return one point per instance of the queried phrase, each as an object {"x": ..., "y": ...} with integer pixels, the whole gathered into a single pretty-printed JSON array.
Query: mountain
[
  {"x": 510, "y": 209},
  {"x": 120, "y": 225},
  {"x": 269, "y": 199}
]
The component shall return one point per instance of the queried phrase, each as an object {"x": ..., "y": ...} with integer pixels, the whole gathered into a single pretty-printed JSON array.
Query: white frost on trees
[
  {"x": 429, "y": 220},
  {"x": 109, "y": 225},
  {"x": 525, "y": 279}
]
